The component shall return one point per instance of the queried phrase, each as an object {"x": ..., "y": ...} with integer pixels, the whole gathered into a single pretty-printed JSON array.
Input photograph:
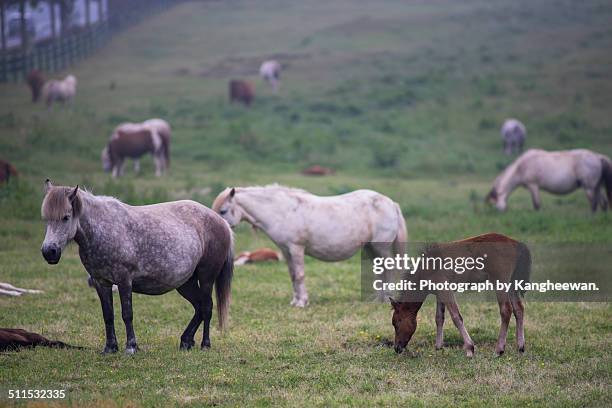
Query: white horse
[
  {"x": 270, "y": 72},
  {"x": 56, "y": 90},
  {"x": 326, "y": 228},
  {"x": 559, "y": 172},
  {"x": 513, "y": 134}
]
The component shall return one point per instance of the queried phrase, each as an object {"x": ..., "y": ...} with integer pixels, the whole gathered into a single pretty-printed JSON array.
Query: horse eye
[
  {"x": 66, "y": 218},
  {"x": 223, "y": 212}
]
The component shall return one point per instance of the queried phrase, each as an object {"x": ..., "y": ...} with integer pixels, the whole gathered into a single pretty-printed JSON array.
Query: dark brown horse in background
[
  {"x": 241, "y": 91},
  {"x": 507, "y": 260},
  {"x": 36, "y": 81},
  {"x": 6, "y": 171}
]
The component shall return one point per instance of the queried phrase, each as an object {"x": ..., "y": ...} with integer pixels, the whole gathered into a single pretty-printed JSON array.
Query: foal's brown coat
[{"x": 507, "y": 260}]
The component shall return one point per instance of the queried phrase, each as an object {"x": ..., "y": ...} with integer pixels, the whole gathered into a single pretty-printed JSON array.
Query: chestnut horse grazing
[
  {"x": 36, "y": 81},
  {"x": 56, "y": 90},
  {"x": 326, "y": 228},
  {"x": 134, "y": 140},
  {"x": 241, "y": 91},
  {"x": 559, "y": 172},
  {"x": 505, "y": 260},
  {"x": 148, "y": 249}
]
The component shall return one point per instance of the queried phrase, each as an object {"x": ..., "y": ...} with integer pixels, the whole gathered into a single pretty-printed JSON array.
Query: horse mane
[
  {"x": 54, "y": 203},
  {"x": 275, "y": 187},
  {"x": 53, "y": 206}
]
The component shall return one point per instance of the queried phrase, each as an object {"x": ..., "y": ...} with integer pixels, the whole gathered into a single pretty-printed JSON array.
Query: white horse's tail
[
  {"x": 399, "y": 244},
  {"x": 223, "y": 288},
  {"x": 606, "y": 176}
]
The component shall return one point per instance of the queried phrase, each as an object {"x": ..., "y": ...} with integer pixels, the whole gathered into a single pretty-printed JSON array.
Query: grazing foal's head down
[
  {"x": 404, "y": 321},
  {"x": 61, "y": 209}
]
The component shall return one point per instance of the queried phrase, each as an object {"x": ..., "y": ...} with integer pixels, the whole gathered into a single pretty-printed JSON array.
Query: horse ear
[
  {"x": 73, "y": 194},
  {"x": 232, "y": 192},
  {"x": 47, "y": 185}
]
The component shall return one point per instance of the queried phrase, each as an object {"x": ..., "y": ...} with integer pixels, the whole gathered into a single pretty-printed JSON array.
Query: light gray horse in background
[
  {"x": 60, "y": 90},
  {"x": 513, "y": 134},
  {"x": 326, "y": 228},
  {"x": 148, "y": 249},
  {"x": 270, "y": 72},
  {"x": 559, "y": 172}
]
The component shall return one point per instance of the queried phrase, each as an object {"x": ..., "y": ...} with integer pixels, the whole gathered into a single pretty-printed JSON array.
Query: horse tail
[
  {"x": 399, "y": 244},
  {"x": 522, "y": 268},
  {"x": 606, "y": 176},
  {"x": 223, "y": 287}
]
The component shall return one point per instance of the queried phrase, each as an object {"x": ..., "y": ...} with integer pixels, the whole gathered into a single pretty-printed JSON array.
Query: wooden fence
[{"x": 61, "y": 52}]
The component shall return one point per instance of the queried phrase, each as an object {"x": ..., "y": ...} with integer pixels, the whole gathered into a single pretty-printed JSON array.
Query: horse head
[
  {"x": 61, "y": 209},
  {"x": 404, "y": 321}
]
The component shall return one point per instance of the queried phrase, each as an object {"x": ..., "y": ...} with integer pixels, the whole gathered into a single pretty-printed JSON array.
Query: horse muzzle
[
  {"x": 52, "y": 254},
  {"x": 399, "y": 348}
]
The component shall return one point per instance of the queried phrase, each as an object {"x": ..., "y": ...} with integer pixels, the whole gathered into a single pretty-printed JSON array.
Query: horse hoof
[
  {"x": 131, "y": 350},
  {"x": 522, "y": 349},
  {"x": 499, "y": 353},
  {"x": 186, "y": 345},
  {"x": 110, "y": 349}
]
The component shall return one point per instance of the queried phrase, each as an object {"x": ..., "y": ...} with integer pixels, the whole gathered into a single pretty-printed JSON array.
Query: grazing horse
[
  {"x": 506, "y": 261},
  {"x": 36, "y": 82},
  {"x": 7, "y": 171},
  {"x": 56, "y": 90},
  {"x": 326, "y": 228},
  {"x": 241, "y": 91},
  {"x": 270, "y": 72},
  {"x": 559, "y": 172},
  {"x": 258, "y": 255},
  {"x": 133, "y": 140},
  {"x": 149, "y": 249},
  {"x": 513, "y": 134}
]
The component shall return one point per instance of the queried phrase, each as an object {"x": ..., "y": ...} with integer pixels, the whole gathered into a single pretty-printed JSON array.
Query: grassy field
[{"x": 402, "y": 97}]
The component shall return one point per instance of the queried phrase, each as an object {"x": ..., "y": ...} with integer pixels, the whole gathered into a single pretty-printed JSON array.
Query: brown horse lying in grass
[
  {"x": 14, "y": 339},
  {"x": 506, "y": 260}
]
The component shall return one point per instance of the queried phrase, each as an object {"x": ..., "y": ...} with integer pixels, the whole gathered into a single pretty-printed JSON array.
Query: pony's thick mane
[{"x": 53, "y": 206}]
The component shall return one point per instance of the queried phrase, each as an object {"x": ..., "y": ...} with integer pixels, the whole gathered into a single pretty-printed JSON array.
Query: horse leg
[
  {"x": 159, "y": 164},
  {"x": 190, "y": 291},
  {"x": 105, "y": 293},
  {"x": 593, "y": 196},
  {"x": 453, "y": 309},
  {"x": 125, "y": 294},
  {"x": 535, "y": 195},
  {"x": 295, "y": 259},
  {"x": 439, "y": 324},
  {"x": 505, "y": 311},
  {"x": 519, "y": 311},
  {"x": 207, "y": 309}
]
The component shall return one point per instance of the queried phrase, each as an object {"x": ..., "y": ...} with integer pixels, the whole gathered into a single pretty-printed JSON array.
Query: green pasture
[{"x": 403, "y": 97}]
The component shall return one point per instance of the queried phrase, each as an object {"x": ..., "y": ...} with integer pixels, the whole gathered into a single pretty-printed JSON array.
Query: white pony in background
[
  {"x": 270, "y": 72},
  {"x": 558, "y": 172},
  {"x": 56, "y": 90},
  {"x": 326, "y": 228},
  {"x": 513, "y": 134}
]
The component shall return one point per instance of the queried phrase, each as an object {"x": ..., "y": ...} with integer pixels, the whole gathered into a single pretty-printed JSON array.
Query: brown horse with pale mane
[{"x": 507, "y": 260}]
